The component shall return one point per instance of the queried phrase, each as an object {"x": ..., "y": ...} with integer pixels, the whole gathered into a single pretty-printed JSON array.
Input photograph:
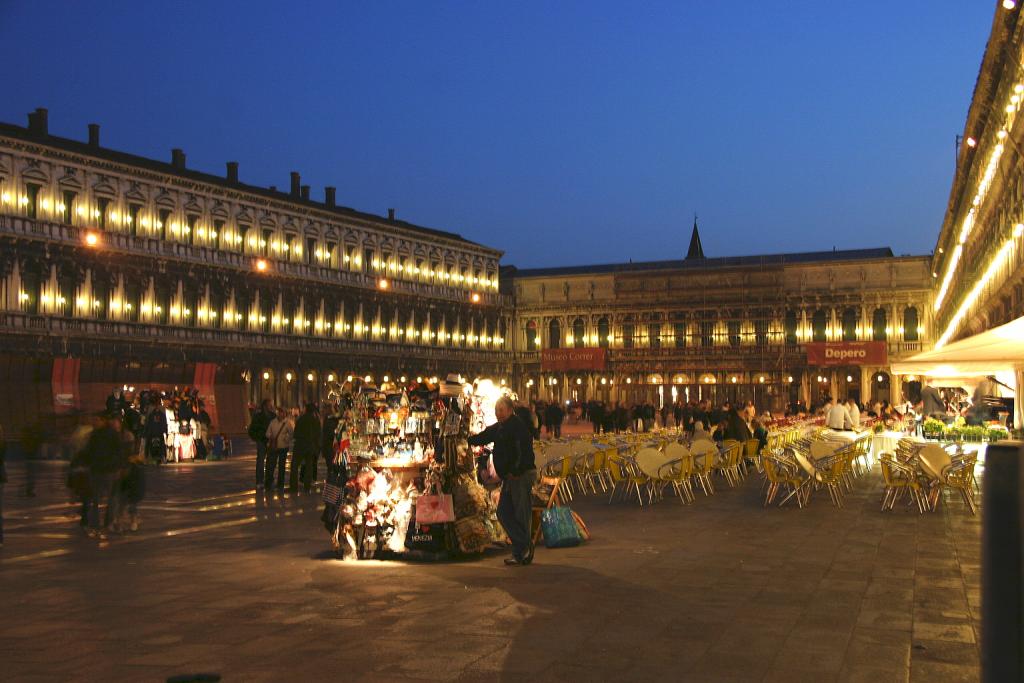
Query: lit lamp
[
  {"x": 261, "y": 265},
  {"x": 91, "y": 239}
]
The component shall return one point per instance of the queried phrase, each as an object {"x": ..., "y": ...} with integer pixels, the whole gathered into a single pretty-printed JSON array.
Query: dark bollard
[{"x": 1002, "y": 599}]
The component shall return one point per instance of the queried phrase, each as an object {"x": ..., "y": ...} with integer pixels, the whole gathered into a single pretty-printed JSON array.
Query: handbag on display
[
  {"x": 559, "y": 527},
  {"x": 334, "y": 484},
  {"x": 469, "y": 497},
  {"x": 486, "y": 472},
  {"x": 428, "y": 538},
  {"x": 434, "y": 508},
  {"x": 473, "y": 534}
]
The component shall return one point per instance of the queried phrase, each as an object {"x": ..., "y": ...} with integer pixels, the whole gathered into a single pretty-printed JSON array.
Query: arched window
[
  {"x": 531, "y": 336},
  {"x": 910, "y": 324},
  {"x": 603, "y": 333},
  {"x": 850, "y": 325},
  {"x": 790, "y": 325},
  {"x": 879, "y": 321},
  {"x": 680, "y": 335},
  {"x": 578, "y": 333},
  {"x": 818, "y": 323},
  {"x": 554, "y": 335},
  {"x": 627, "y": 335}
]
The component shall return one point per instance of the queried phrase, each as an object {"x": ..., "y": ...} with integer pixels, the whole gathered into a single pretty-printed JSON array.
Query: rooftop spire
[{"x": 696, "y": 250}]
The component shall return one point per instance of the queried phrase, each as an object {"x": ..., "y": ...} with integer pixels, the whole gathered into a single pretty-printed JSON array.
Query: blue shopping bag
[{"x": 559, "y": 527}]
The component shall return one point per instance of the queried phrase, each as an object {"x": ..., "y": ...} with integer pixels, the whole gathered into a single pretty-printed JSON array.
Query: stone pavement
[{"x": 222, "y": 580}]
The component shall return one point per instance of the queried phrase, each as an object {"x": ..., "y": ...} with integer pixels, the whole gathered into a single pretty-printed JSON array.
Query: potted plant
[
  {"x": 932, "y": 428},
  {"x": 997, "y": 434}
]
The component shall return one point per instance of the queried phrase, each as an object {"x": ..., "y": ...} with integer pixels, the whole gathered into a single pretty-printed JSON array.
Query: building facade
[
  {"x": 117, "y": 270},
  {"x": 143, "y": 269},
  {"x": 978, "y": 263},
  {"x": 723, "y": 328}
]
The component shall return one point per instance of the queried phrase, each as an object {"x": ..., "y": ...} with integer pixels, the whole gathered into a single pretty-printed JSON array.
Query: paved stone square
[{"x": 222, "y": 580}]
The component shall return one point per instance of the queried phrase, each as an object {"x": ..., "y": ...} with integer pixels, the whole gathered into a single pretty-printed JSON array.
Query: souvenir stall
[{"x": 404, "y": 481}]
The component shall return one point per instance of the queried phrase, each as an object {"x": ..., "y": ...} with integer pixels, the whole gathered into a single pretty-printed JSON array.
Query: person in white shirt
[
  {"x": 854, "y": 411},
  {"x": 838, "y": 417}
]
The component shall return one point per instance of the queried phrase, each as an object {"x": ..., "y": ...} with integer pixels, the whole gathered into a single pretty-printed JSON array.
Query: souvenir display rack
[{"x": 394, "y": 445}]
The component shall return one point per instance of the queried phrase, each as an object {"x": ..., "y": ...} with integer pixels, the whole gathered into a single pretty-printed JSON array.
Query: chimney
[
  {"x": 37, "y": 122},
  {"x": 94, "y": 135},
  {"x": 391, "y": 214},
  {"x": 232, "y": 171},
  {"x": 178, "y": 159},
  {"x": 329, "y": 196},
  {"x": 305, "y": 192},
  {"x": 295, "y": 183}
]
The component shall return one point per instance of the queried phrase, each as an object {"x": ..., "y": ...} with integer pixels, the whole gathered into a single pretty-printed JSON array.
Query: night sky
[{"x": 561, "y": 132}]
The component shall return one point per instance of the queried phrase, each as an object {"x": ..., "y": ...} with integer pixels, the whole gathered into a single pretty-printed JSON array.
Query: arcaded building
[
  {"x": 122, "y": 271},
  {"x": 770, "y": 329}
]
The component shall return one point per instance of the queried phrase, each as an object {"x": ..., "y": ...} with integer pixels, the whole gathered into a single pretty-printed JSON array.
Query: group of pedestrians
[
  {"x": 278, "y": 433},
  {"x": 107, "y": 468}
]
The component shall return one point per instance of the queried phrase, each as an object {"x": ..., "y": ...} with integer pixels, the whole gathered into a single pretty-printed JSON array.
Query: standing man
[
  {"x": 837, "y": 416},
  {"x": 279, "y": 440},
  {"x": 332, "y": 417},
  {"x": 553, "y": 416},
  {"x": 306, "y": 448},
  {"x": 261, "y": 419},
  {"x": 514, "y": 463}
]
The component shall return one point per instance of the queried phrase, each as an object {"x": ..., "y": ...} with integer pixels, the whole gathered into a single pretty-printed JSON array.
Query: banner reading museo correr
[
  {"x": 847, "y": 353},
  {"x": 572, "y": 359}
]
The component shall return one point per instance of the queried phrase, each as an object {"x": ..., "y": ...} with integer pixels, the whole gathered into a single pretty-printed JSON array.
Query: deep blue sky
[{"x": 561, "y": 132}]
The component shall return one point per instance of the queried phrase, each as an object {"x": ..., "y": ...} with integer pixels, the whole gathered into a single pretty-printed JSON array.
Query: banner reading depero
[
  {"x": 572, "y": 359},
  {"x": 824, "y": 354}
]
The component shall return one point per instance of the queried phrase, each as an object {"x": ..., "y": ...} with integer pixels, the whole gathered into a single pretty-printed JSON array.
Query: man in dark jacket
[
  {"x": 305, "y": 448},
  {"x": 332, "y": 417},
  {"x": 105, "y": 458},
  {"x": 737, "y": 427},
  {"x": 154, "y": 431},
  {"x": 514, "y": 463},
  {"x": 553, "y": 416},
  {"x": 258, "y": 433}
]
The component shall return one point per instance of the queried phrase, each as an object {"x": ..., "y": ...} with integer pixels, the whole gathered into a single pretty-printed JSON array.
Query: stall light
[
  {"x": 433, "y": 380},
  {"x": 368, "y": 379},
  {"x": 349, "y": 378},
  {"x": 419, "y": 379},
  {"x": 502, "y": 382},
  {"x": 402, "y": 379},
  {"x": 330, "y": 378}
]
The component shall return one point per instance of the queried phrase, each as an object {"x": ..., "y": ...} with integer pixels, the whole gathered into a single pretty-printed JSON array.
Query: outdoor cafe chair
[
  {"x": 959, "y": 476},
  {"x": 899, "y": 478},
  {"x": 705, "y": 453},
  {"x": 625, "y": 481},
  {"x": 781, "y": 474},
  {"x": 650, "y": 460}
]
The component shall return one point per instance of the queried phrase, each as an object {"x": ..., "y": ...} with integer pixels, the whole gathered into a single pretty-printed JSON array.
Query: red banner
[
  {"x": 205, "y": 377},
  {"x": 572, "y": 359},
  {"x": 847, "y": 353},
  {"x": 64, "y": 382}
]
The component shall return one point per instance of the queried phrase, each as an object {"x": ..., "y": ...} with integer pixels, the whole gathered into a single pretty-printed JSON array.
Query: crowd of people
[{"x": 279, "y": 431}]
